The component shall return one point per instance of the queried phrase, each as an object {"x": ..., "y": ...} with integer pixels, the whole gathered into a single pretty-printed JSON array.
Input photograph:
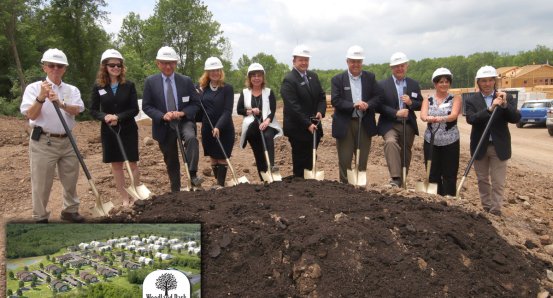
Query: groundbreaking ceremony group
[{"x": 175, "y": 103}]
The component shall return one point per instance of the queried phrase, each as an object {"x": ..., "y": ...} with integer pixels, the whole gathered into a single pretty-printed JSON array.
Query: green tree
[
  {"x": 10, "y": 292},
  {"x": 21, "y": 284},
  {"x": 48, "y": 279},
  {"x": 41, "y": 265},
  {"x": 19, "y": 292},
  {"x": 11, "y": 275}
]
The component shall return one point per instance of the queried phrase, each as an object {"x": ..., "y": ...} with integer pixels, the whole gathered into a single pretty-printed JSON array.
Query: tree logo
[{"x": 166, "y": 284}]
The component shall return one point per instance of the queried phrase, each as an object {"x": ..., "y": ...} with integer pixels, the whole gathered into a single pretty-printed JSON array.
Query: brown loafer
[{"x": 72, "y": 217}]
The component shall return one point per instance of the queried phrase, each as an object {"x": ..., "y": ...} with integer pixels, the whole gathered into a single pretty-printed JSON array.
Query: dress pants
[
  {"x": 45, "y": 155},
  {"x": 347, "y": 146},
  {"x": 444, "y": 168},
  {"x": 253, "y": 136},
  {"x": 491, "y": 167},
  {"x": 302, "y": 155},
  {"x": 170, "y": 151},
  {"x": 393, "y": 148}
]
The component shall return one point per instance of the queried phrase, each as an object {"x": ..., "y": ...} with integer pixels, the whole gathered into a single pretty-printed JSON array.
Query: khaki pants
[
  {"x": 347, "y": 146},
  {"x": 491, "y": 167},
  {"x": 393, "y": 148},
  {"x": 44, "y": 160}
]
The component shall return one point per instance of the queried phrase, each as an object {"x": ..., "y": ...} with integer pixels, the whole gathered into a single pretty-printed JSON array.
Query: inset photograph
[{"x": 98, "y": 260}]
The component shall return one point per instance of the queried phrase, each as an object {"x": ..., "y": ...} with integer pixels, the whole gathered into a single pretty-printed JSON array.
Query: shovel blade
[
  {"x": 102, "y": 209},
  {"x": 318, "y": 175},
  {"x": 143, "y": 192},
  {"x": 267, "y": 177},
  {"x": 357, "y": 179},
  {"x": 431, "y": 188},
  {"x": 132, "y": 192},
  {"x": 240, "y": 180},
  {"x": 276, "y": 176}
]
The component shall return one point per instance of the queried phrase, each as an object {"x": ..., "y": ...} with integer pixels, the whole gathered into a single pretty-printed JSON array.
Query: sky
[{"x": 420, "y": 29}]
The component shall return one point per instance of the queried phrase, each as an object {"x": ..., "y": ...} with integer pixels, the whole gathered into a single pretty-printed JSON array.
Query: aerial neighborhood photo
[{"x": 97, "y": 260}]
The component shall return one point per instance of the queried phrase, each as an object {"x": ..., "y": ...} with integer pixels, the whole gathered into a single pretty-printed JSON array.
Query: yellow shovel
[{"x": 355, "y": 176}]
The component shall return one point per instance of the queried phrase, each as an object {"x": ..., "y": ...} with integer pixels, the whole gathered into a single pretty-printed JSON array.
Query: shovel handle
[
  {"x": 72, "y": 140},
  {"x": 175, "y": 125}
]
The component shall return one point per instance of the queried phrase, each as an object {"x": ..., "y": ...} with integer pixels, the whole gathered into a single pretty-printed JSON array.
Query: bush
[{"x": 9, "y": 107}]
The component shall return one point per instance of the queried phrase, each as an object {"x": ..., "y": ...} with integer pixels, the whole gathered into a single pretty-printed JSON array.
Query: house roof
[{"x": 520, "y": 71}]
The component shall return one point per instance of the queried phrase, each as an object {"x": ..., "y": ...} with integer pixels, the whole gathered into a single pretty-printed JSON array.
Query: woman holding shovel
[
  {"x": 441, "y": 138},
  {"x": 114, "y": 102},
  {"x": 258, "y": 106},
  {"x": 217, "y": 100}
]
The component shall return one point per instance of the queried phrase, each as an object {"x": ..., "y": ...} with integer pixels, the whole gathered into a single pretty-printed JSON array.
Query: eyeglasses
[
  {"x": 55, "y": 66},
  {"x": 113, "y": 65}
]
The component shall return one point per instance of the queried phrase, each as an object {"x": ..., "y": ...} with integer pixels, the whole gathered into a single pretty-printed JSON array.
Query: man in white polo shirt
[{"x": 49, "y": 146}]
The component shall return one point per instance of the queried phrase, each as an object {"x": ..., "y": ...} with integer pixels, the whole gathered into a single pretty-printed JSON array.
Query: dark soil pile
[{"x": 324, "y": 239}]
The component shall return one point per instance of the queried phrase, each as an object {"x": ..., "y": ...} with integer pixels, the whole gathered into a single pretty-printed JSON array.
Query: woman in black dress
[
  {"x": 257, "y": 104},
  {"x": 114, "y": 102},
  {"x": 218, "y": 99}
]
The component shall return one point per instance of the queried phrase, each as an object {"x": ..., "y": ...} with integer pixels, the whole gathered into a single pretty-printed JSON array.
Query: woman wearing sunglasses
[{"x": 114, "y": 102}]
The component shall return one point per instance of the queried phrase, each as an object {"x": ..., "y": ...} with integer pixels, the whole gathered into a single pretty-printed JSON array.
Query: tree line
[
  {"x": 29, "y": 27},
  {"x": 29, "y": 240}
]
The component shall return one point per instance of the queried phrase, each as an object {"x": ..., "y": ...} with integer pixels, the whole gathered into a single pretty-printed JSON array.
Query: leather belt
[{"x": 55, "y": 135}]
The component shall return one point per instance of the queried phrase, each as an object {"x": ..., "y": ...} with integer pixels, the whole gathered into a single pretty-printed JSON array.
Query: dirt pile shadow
[{"x": 303, "y": 238}]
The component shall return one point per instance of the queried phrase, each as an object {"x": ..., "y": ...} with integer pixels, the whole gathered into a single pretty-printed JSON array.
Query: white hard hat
[
  {"x": 255, "y": 67},
  {"x": 213, "y": 63},
  {"x": 54, "y": 56},
  {"x": 167, "y": 54},
  {"x": 398, "y": 58},
  {"x": 111, "y": 53},
  {"x": 355, "y": 52},
  {"x": 442, "y": 71},
  {"x": 301, "y": 51},
  {"x": 486, "y": 72}
]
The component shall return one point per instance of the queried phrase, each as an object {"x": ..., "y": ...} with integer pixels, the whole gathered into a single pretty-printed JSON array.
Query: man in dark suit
[
  {"x": 171, "y": 97},
  {"x": 355, "y": 93},
  {"x": 491, "y": 158},
  {"x": 304, "y": 99},
  {"x": 402, "y": 97}
]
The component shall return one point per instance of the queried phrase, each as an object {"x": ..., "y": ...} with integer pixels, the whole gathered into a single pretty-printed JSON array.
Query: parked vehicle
[
  {"x": 549, "y": 121},
  {"x": 534, "y": 112}
]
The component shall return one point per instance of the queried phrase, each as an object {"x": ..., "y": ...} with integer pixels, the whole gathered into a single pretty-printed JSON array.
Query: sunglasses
[
  {"x": 55, "y": 66},
  {"x": 113, "y": 65}
]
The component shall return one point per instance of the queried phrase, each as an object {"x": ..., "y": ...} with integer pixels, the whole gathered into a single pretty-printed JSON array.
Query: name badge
[
  {"x": 102, "y": 92},
  {"x": 185, "y": 98},
  {"x": 347, "y": 88},
  {"x": 302, "y": 83},
  {"x": 414, "y": 94}
]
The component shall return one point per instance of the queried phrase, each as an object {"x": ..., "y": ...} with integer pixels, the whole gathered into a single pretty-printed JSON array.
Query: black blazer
[
  {"x": 153, "y": 102},
  {"x": 300, "y": 103},
  {"x": 342, "y": 101},
  {"x": 124, "y": 104},
  {"x": 478, "y": 116},
  {"x": 390, "y": 104}
]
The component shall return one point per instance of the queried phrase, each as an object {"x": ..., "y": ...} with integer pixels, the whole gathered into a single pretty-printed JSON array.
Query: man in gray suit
[
  {"x": 402, "y": 97},
  {"x": 355, "y": 93},
  {"x": 168, "y": 98}
]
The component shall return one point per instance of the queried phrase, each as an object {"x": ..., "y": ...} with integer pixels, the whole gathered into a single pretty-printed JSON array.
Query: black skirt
[{"x": 129, "y": 136}]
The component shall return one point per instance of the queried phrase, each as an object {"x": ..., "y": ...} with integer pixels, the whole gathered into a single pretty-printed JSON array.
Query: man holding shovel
[
  {"x": 304, "y": 107},
  {"x": 490, "y": 162},
  {"x": 397, "y": 123},
  {"x": 171, "y": 97},
  {"x": 49, "y": 146},
  {"x": 355, "y": 96}
]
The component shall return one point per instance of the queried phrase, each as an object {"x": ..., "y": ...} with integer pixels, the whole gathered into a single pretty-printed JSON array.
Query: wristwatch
[{"x": 40, "y": 101}]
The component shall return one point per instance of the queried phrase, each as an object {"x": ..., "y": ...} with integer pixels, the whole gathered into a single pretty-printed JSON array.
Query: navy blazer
[
  {"x": 478, "y": 116},
  {"x": 301, "y": 101},
  {"x": 342, "y": 101},
  {"x": 390, "y": 104},
  {"x": 123, "y": 103},
  {"x": 154, "y": 104}
]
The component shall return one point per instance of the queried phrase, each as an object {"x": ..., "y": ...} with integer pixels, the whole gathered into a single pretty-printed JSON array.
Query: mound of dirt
[{"x": 301, "y": 238}]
